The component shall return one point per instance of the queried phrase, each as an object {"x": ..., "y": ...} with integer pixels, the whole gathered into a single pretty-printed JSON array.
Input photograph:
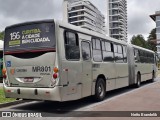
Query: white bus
[{"x": 56, "y": 61}]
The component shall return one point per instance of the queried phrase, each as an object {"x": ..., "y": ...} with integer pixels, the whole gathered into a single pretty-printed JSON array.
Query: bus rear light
[
  {"x": 55, "y": 70},
  {"x": 4, "y": 76},
  {"x": 55, "y": 75}
]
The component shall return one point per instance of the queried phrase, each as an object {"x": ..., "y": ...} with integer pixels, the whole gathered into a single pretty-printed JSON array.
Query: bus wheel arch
[
  {"x": 101, "y": 76},
  {"x": 100, "y": 88}
]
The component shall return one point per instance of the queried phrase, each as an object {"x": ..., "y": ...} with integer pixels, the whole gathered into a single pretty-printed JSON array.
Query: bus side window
[
  {"x": 107, "y": 52},
  {"x": 118, "y": 53},
  {"x": 153, "y": 58},
  {"x": 86, "y": 52},
  {"x": 125, "y": 54},
  {"x": 97, "y": 54},
  {"x": 72, "y": 46},
  {"x": 148, "y": 57},
  {"x": 142, "y": 54},
  {"x": 136, "y": 54}
]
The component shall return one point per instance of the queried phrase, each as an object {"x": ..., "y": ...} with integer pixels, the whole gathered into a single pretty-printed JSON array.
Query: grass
[{"x": 3, "y": 99}]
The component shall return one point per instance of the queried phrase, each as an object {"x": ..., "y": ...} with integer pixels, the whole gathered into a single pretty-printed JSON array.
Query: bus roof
[
  {"x": 142, "y": 48},
  {"x": 88, "y": 32},
  {"x": 93, "y": 33}
]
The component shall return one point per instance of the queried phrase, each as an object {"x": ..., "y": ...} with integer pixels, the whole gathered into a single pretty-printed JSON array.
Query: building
[
  {"x": 118, "y": 19},
  {"x": 156, "y": 18},
  {"x": 84, "y": 14}
]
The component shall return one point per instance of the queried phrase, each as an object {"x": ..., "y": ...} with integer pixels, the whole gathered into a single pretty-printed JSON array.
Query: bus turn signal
[{"x": 55, "y": 70}]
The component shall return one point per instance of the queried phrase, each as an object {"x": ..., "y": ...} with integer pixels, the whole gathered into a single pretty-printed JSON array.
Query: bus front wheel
[{"x": 100, "y": 90}]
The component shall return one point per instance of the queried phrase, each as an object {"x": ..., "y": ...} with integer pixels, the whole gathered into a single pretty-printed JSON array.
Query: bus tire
[
  {"x": 153, "y": 76},
  {"x": 100, "y": 90},
  {"x": 138, "y": 84}
]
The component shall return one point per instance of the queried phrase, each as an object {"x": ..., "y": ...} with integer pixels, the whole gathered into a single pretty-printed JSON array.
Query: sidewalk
[{"x": 142, "y": 99}]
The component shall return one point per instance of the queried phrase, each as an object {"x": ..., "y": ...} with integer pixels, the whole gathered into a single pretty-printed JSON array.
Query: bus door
[
  {"x": 72, "y": 67},
  {"x": 86, "y": 68}
]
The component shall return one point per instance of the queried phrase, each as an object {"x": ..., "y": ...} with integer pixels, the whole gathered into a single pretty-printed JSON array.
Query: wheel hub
[{"x": 100, "y": 90}]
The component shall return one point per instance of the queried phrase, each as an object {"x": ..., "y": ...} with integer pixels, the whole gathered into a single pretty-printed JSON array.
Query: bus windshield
[{"x": 30, "y": 36}]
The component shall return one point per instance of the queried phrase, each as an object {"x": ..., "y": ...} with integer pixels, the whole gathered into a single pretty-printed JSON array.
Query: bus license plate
[{"x": 28, "y": 80}]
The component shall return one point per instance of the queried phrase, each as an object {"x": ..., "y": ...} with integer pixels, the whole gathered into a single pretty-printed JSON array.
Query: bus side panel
[
  {"x": 145, "y": 71},
  {"x": 122, "y": 75},
  {"x": 108, "y": 70}
]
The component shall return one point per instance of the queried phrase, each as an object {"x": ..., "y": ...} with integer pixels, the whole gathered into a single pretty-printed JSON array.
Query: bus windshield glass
[{"x": 30, "y": 36}]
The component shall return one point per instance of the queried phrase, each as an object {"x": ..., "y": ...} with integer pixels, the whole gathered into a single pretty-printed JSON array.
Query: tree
[
  {"x": 139, "y": 41},
  {"x": 1, "y": 35},
  {"x": 152, "y": 40}
]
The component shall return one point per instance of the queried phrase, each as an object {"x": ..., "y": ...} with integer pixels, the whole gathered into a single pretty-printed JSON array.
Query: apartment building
[
  {"x": 156, "y": 18},
  {"x": 118, "y": 19},
  {"x": 84, "y": 14}
]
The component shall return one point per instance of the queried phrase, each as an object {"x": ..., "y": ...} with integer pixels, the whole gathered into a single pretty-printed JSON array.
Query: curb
[{"x": 13, "y": 103}]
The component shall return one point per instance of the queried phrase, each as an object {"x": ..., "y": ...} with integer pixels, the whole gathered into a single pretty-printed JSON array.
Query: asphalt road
[{"x": 145, "y": 98}]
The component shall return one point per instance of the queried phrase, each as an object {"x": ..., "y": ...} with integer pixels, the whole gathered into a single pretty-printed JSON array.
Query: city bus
[
  {"x": 1, "y": 61},
  {"x": 55, "y": 61}
]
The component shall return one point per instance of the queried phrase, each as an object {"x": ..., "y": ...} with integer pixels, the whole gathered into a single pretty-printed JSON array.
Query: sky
[{"x": 17, "y": 11}]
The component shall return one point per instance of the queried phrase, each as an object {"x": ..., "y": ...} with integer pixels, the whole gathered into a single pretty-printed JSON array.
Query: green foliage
[
  {"x": 152, "y": 34},
  {"x": 139, "y": 41},
  {"x": 2, "y": 97},
  {"x": 1, "y": 35},
  {"x": 149, "y": 44},
  {"x": 152, "y": 40}
]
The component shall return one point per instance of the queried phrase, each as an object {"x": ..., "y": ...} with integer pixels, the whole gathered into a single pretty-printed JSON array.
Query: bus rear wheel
[
  {"x": 153, "y": 76},
  {"x": 138, "y": 84},
  {"x": 100, "y": 90}
]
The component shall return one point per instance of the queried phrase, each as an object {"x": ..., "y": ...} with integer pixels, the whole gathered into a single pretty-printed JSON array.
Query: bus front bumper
[{"x": 51, "y": 94}]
